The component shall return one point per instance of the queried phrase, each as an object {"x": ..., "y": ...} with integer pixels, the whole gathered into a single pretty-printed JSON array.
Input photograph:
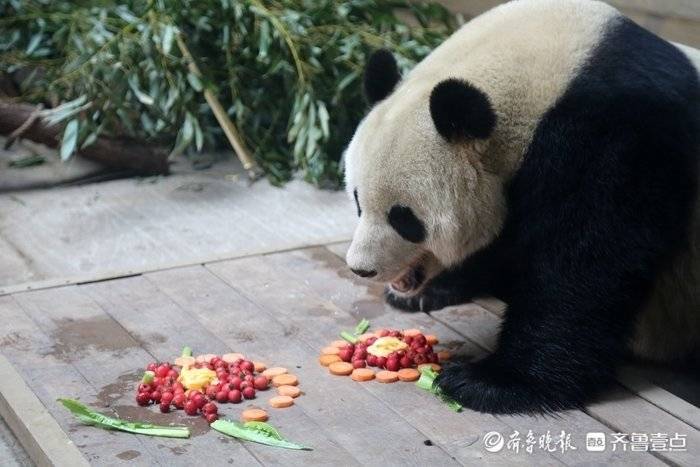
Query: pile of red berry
[
  {"x": 419, "y": 351},
  {"x": 234, "y": 382}
]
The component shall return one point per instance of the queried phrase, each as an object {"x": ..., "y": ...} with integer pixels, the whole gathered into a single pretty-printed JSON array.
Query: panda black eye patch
[
  {"x": 406, "y": 224},
  {"x": 357, "y": 202}
]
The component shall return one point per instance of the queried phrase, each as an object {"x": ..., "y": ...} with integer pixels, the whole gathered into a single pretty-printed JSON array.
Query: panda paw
[
  {"x": 430, "y": 299},
  {"x": 490, "y": 387}
]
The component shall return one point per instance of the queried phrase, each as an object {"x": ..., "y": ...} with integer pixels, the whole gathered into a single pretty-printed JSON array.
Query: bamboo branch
[
  {"x": 121, "y": 153},
  {"x": 234, "y": 138}
]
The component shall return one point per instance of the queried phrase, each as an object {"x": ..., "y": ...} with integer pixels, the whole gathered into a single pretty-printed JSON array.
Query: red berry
[
  {"x": 260, "y": 383},
  {"x": 359, "y": 354},
  {"x": 152, "y": 366},
  {"x": 198, "y": 399},
  {"x": 157, "y": 381},
  {"x": 234, "y": 383},
  {"x": 162, "y": 371},
  {"x": 209, "y": 407},
  {"x": 179, "y": 401},
  {"x": 191, "y": 408},
  {"x": 222, "y": 396},
  {"x": 372, "y": 360},
  {"x": 164, "y": 408},
  {"x": 166, "y": 398},
  {"x": 345, "y": 354},
  {"x": 420, "y": 359},
  {"x": 420, "y": 339},
  {"x": 408, "y": 339},
  {"x": 359, "y": 363},
  {"x": 405, "y": 362},
  {"x": 245, "y": 384},
  {"x": 143, "y": 387},
  {"x": 394, "y": 333},
  {"x": 211, "y": 391},
  {"x": 249, "y": 392},
  {"x": 381, "y": 362},
  {"x": 235, "y": 396},
  {"x": 248, "y": 377},
  {"x": 216, "y": 360},
  {"x": 143, "y": 398},
  {"x": 155, "y": 396},
  {"x": 173, "y": 374},
  {"x": 247, "y": 366},
  {"x": 392, "y": 364},
  {"x": 211, "y": 417}
]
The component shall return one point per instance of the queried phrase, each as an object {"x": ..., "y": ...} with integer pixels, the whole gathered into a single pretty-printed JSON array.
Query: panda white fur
[{"x": 547, "y": 154}]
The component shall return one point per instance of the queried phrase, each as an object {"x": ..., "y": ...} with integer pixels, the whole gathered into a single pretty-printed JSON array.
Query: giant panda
[{"x": 546, "y": 154}]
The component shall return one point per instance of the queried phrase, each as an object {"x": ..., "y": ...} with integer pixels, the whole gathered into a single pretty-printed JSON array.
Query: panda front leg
[{"x": 559, "y": 346}]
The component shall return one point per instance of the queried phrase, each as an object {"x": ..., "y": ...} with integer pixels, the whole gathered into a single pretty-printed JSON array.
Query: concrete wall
[{"x": 675, "y": 20}]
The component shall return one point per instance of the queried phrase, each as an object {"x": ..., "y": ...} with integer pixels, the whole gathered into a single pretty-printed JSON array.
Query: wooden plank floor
[
  {"x": 101, "y": 230},
  {"x": 90, "y": 341}
]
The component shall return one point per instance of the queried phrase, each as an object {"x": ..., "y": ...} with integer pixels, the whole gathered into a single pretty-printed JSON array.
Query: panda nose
[{"x": 364, "y": 273}]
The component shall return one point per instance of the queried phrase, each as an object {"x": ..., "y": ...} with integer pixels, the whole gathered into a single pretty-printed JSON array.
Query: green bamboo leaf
[
  {"x": 69, "y": 140},
  {"x": 323, "y": 118},
  {"x": 140, "y": 95},
  {"x": 195, "y": 82},
  {"x": 168, "y": 36},
  {"x": 33, "y": 43}
]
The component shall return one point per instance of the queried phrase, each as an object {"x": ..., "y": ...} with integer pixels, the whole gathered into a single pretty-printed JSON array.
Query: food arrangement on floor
[
  {"x": 398, "y": 355},
  {"x": 198, "y": 385}
]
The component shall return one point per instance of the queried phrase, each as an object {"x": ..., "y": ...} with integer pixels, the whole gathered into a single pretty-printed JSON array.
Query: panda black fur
[{"x": 581, "y": 216}]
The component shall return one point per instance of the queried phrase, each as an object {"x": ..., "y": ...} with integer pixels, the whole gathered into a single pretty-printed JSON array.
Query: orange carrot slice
[
  {"x": 340, "y": 368},
  {"x": 326, "y": 360},
  {"x": 362, "y": 374},
  {"x": 409, "y": 374},
  {"x": 254, "y": 415},
  {"x": 285, "y": 380},
  {"x": 274, "y": 371},
  {"x": 291, "y": 391},
  {"x": 280, "y": 402},
  {"x": 386, "y": 376}
]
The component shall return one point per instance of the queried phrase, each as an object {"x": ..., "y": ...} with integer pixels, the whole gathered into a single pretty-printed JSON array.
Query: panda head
[{"x": 416, "y": 173}]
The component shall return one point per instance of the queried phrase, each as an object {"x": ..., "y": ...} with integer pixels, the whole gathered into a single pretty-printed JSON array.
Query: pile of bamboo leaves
[{"x": 287, "y": 72}]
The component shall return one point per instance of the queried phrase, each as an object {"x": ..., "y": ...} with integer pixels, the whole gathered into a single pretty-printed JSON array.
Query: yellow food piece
[
  {"x": 386, "y": 345},
  {"x": 196, "y": 378}
]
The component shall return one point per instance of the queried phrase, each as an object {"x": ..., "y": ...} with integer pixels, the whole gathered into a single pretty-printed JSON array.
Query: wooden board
[
  {"x": 45, "y": 442},
  {"x": 128, "y": 226},
  {"x": 91, "y": 341}
]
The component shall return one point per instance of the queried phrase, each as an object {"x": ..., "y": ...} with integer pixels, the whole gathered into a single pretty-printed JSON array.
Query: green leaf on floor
[
  {"x": 90, "y": 417},
  {"x": 258, "y": 432}
]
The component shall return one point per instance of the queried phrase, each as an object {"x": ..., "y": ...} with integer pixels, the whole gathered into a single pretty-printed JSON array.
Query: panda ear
[
  {"x": 381, "y": 75},
  {"x": 461, "y": 111}
]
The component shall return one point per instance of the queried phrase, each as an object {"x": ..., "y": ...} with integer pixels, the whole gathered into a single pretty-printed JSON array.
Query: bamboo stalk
[
  {"x": 225, "y": 122},
  {"x": 122, "y": 153}
]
